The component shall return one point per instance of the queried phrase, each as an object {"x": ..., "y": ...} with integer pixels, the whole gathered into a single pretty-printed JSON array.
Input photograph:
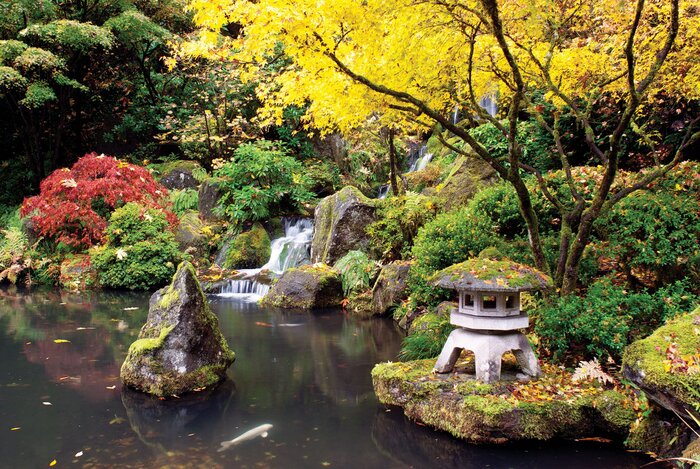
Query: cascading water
[
  {"x": 418, "y": 160},
  {"x": 291, "y": 250}
]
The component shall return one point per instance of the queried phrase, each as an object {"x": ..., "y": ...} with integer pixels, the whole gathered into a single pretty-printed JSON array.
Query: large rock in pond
[
  {"x": 306, "y": 287},
  {"x": 177, "y": 175},
  {"x": 391, "y": 286},
  {"x": 662, "y": 365},
  {"x": 340, "y": 221},
  {"x": 180, "y": 348}
]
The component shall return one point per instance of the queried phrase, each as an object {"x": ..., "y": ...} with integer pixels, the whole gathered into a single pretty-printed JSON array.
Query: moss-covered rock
[
  {"x": 77, "y": 273},
  {"x": 467, "y": 177},
  {"x": 306, "y": 287},
  {"x": 552, "y": 407},
  {"x": 340, "y": 221},
  {"x": 193, "y": 235},
  {"x": 180, "y": 348},
  {"x": 662, "y": 365},
  {"x": 247, "y": 250},
  {"x": 177, "y": 174},
  {"x": 483, "y": 274},
  {"x": 391, "y": 286},
  {"x": 359, "y": 305}
]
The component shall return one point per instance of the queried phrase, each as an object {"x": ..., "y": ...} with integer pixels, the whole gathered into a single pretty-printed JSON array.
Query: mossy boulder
[
  {"x": 193, "y": 234},
  {"x": 208, "y": 198},
  {"x": 552, "y": 407},
  {"x": 177, "y": 175},
  {"x": 246, "y": 250},
  {"x": 391, "y": 287},
  {"x": 662, "y": 365},
  {"x": 340, "y": 221},
  {"x": 649, "y": 363},
  {"x": 359, "y": 305},
  {"x": 468, "y": 176},
  {"x": 77, "y": 273},
  {"x": 180, "y": 348},
  {"x": 306, "y": 287}
]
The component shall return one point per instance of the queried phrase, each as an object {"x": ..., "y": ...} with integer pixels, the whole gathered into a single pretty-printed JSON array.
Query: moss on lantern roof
[{"x": 491, "y": 275}]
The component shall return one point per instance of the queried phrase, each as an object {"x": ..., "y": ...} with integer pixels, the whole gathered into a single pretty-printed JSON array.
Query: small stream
[{"x": 307, "y": 374}]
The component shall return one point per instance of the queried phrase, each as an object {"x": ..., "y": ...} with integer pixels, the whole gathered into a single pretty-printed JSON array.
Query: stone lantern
[{"x": 488, "y": 317}]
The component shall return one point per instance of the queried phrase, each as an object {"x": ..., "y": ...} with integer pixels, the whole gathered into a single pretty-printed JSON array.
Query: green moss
[
  {"x": 163, "y": 169},
  {"x": 505, "y": 273},
  {"x": 143, "y": 346},
  {"x": 170, "y": 296},
  {"x": 649, "y": 355},
  {"x": 249, "y": 249}
]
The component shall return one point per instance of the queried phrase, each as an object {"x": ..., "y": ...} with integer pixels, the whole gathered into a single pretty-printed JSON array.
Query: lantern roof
[{"x": 490, "y": 275}]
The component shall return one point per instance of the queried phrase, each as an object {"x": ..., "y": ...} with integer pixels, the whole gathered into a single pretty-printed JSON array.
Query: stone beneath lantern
[{"x": 505, "y": 323}]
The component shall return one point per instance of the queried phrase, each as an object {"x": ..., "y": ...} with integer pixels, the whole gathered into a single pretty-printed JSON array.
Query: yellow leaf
[
  {"x": 61, "y": 341},
  {"x": 14, "y": 429},
  {"x": 52, "y": 463}
]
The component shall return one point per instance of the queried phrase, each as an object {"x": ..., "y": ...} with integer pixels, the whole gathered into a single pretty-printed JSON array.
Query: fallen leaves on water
[
  {"x": 47, "y": 403},
  {"x": 78, "y": 454},
  {"x": 61, "y": 341},
  {"x": 131, "y": 308},
  {"x": 263, "y": 324},
  {"x": 325, "y": 464},
  {"x": 116, "y": 420},
  {"x": 52, "y": 463},
  {"x": 14, "y": 429},
  {"x": 111, "y": 387}
]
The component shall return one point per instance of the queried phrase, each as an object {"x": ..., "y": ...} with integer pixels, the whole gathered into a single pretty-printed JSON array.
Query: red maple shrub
[{"x": 73, "y": 205}]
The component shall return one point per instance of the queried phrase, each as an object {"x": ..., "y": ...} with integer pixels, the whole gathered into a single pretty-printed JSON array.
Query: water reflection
[{"x": 306, "y": 374}]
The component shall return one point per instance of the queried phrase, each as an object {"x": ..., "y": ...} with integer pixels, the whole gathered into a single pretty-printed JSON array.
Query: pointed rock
[{"x": 180, "y": 348}]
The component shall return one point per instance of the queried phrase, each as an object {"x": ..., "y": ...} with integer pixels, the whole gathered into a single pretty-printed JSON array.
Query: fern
[
  {"x": 356, "y": 271},
  {"x": 184, "y": 200},
  {"x": 199, "y": 174}
]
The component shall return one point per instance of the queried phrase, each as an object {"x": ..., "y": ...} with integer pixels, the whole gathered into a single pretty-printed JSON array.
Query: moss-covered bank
[{"x": 552, "y": 407}]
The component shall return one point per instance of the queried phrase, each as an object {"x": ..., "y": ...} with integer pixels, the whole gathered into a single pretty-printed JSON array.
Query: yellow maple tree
[{"x": 409, "y": 63}]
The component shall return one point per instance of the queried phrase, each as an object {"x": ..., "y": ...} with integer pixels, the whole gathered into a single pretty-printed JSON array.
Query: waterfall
[
  {"x": 422, "y": 161},
  {"x": 383, "y": 191},
  {"x": 291, "y": 250},
  {"x": 488, "y": 102}
]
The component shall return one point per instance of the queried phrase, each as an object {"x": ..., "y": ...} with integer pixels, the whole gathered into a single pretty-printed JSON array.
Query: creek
[{"x": 307, "y": 374}]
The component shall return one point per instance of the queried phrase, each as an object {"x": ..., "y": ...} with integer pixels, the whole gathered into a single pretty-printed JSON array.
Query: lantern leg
[
  {"x": 450, "y": 353},
  {"x": 526, "y": 357}
]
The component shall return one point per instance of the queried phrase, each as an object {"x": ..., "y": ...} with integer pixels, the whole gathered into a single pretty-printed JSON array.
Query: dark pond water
[{"x": 306, "y": 374}]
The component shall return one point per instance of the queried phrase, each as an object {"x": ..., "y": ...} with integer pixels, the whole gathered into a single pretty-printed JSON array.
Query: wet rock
[
  {"x": 340, "y": 225},
  {"x": 391, "y": 287},
  {"x": 246, "y": 250},
  {"x": 360, "y": 305},
  {"x": 177, "y": 175},
  {"x": 306, "y": 287},
  {"x": 209, "y": 196},
  {"x": 180, "y": 348}
]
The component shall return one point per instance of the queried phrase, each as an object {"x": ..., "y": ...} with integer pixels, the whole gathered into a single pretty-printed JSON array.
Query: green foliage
[
  {"x": 38, "y": 94},
  {"x": 10, "y": 50},
  {"x": 450, "y": 238},
  {"x": 428, "y": 335},
  {"x": 399, "y": 220},
  {"x": 184, "y": 200},
  {"x": 538, "y": 145},
  {"x": 356, "y": 272},
  {"x": 141, "y": 251},
  {"x": 261, "y": 182},
  {"x": 657, "y": 230},
  {"x": 604, "y": 321},
  {"x": 137, "y": 31},
  {"x": 69, "y": 34}
]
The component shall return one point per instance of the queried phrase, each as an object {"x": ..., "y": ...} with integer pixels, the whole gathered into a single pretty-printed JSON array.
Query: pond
[{"x": 306, "y": 374}]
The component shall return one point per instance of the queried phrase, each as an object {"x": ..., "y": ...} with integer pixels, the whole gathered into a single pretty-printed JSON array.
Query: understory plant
[
  {"x": 262, "y": 181},
  {"x": 140, "y": 252},
  {"x": 356, "y": 272}
]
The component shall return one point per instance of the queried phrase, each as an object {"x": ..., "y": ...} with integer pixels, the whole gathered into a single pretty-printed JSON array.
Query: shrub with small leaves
[{"x": 141, "y": 251}]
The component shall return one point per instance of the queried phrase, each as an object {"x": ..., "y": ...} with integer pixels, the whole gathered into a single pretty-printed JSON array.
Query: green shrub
[
  {"x": 261, "y": 182},
  {"x": 141, "y": 251},
  {"x": 604, "y": 321},
  {"x": 399, "y": 219},
  {"x": 184, "y": 200},
  {"x": 450, "y": 238},
  {"x": 657, "y": 230},
  {"x": 427, "y": 337},
  {"x": 356, "y": 272}
]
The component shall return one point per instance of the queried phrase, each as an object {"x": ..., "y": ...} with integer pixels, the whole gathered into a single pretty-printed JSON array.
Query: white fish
[{"x": 249, "y": 435}]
